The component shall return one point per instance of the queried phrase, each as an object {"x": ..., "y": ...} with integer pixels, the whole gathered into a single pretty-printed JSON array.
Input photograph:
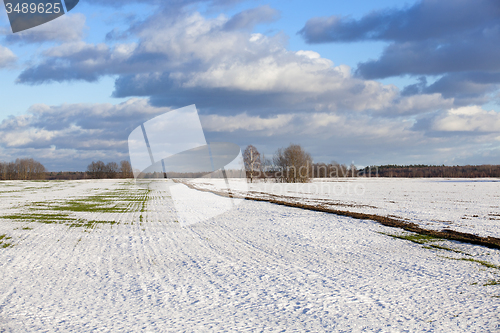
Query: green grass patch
[
  {"x": 66, "y": 211},
  {"x": 482, "y": 262},
  {"x": 415, "y": 238},
  {"x": 492, "y": 283},
  {"x": 3, "y": 241},
  {"x": 88, "y": 206},
  {"x": 423, "y": 239},
  {"x": 40, "y": 217},
  {"x": 439, "y": 247},
  {"x": 110, "y": 202},
  {"x": 90, "y": 224},
  {"x": 57, "y": 218}
]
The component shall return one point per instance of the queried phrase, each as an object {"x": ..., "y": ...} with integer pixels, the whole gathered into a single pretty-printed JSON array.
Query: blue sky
[{"x": 360, "y": 81}]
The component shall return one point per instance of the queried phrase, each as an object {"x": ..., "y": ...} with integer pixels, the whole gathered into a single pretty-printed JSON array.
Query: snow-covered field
[
  {"x": 108, "y": 256},
  {"x": 465, "y": 205}
]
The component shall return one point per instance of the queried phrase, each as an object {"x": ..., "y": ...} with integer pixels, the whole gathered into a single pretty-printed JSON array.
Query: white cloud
[
  {"x": 311, "y": 125},
  {"x": 249, "y": 88},
  {"x": 468, "y": 119},
  {"x": 69, "y": 136},
  {"x": 419, "y": 104},
  {"x": 192, "y": 59},
  {"x": 7, "y": 57},
  {"x": 77, "y": 126}
]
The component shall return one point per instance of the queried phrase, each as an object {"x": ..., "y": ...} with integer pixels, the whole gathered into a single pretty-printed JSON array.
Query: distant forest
[
  {"x": 428, "y": 171},
  {"x": 29, "y": 169}
]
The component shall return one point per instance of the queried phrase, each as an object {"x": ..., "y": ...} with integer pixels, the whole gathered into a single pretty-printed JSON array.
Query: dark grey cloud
[
  {"x": 426, "y": 19},
  {"x": 415, "y": 89},
  {"x": 69, "y": 62},
  {"x": 119, "y": 3},
  {"x": 466, "y": 88},
  {"x": 454, "y": 40},
  {"x": 478, "y": 51},
  {"x": 192, "y": 59},
  {"x": 354, "y": 96}
]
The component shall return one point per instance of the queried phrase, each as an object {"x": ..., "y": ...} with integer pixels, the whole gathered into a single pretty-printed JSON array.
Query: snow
[
  {"x": 465, "y": 205},
  {"x": 256, "y": 267}
]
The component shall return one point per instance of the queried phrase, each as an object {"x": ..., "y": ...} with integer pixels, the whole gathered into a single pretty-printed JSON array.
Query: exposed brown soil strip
[{"x": 491, "y": 242}]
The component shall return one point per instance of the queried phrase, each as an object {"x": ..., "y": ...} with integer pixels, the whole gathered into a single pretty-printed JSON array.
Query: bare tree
[
  {"x": 251, "y": 157},
  {"x": 265, "y": 167},
  {"x": 126, "y": 169},
  {"x": 111, "y": 170},
  {"x": 11, "y": 171},
  {"x": 33, "y": 169},
  {"x": 294, "y": 164},
  {"x": 23, "y": 169},
  {"x": 96, "y": 169},
  {"x": 320, "y": 170}
]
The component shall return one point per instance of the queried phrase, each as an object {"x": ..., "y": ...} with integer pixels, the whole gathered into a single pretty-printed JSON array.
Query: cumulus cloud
[
  {"x": 456, "y": 40},
  {"x": 69, "y": 136},
  {"x": 67, "y": 28},
  {"x": 7, "y": 57},
  {"x": 362, "y": 138},
  {"x": 250, "y": 89},
  {"x": 76, "y": 126},
  {"x": 468, "y": 119},
  {"x": 196, "y": 60}
]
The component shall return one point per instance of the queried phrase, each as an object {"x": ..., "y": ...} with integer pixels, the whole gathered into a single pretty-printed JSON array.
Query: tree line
[
  {"x": 99, "y": 170},
  {"x": 294, "y": 165},
  {"x": 22, "y": 169},
  {"x": 29, "y": 169},
  {"x": 290, "y": 164},
  {"x": 435, "y": 171}
]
